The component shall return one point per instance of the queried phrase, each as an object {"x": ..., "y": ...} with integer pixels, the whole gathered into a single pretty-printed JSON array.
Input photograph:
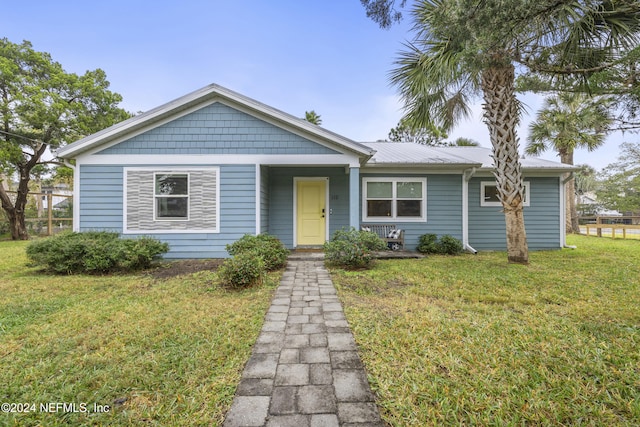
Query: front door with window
[{"x": 311, "y": 215}]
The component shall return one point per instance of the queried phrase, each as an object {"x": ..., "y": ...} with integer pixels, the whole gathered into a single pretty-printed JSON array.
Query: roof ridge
[{"x": 193, "y": 99}]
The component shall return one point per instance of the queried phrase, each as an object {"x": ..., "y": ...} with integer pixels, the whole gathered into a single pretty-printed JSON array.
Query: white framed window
[
  {"x": 171, "y": 194},
  {"x": 489, "y": 194},
  {"x": 394, "y": 199},
  {"x": 172, "y": 200}
]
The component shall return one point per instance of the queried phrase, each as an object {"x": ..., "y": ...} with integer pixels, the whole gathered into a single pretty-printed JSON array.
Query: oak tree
[{"x": 43, "y": 107}]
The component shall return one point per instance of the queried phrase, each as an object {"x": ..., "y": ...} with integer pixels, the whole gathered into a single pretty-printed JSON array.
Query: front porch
[{"x": 304, "y": 205}]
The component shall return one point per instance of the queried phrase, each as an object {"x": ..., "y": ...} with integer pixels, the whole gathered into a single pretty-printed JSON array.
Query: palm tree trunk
[
  {"x": 502, "y": 116},
  {"x": 572, "y": 223}
]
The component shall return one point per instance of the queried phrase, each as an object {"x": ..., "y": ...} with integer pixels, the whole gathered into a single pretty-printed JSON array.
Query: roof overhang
[{"x": 206, "y": 96}]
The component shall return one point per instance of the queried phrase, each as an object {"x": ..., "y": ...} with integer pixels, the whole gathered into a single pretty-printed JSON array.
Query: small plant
[
  {"x": 94, "y": 252},
  {"x": 449, "y": 245},
  {"x": 242, "y": 270},
  {"x": 446, "y": 245},
  {"x": 272, "y": 250},
  {"x": 428, "y": 244},
  {"x": 353, "y": 248}
]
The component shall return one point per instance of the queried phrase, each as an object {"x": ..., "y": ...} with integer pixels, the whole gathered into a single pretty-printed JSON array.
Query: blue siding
[
  {"x": 444, "y": 208},
  {"x": 101, "y": 208},
  {"x": 281, "y": 221},
  {"x": 264, "y": 199},
  {"x": 217, "y": 129},
  {"x": 101, "y": 198},
  {"x": 542, "y": 218}
]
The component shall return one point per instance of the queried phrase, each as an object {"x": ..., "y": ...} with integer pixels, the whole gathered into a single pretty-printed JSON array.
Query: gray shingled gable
[{"x": 217, "y": 129}]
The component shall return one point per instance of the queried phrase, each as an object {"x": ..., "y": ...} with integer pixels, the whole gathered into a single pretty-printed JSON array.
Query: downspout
[
  {"x": 563, "y": 198},
  {"x": 76, "y": 191},
  {"x": 466, "y": 176}
]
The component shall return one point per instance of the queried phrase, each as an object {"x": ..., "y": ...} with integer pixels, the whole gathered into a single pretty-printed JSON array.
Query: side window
[
  {"x": 387, "y": 199},
  {"x": 489, "y": 194},
  {"x": 171, "y": 197}
]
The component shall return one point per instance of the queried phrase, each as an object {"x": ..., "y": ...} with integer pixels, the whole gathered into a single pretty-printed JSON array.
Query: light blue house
[{"x": 203, "y": 170}]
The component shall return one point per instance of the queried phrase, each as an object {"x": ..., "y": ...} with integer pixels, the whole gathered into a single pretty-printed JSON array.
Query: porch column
[{"x": 354, "y": 197}]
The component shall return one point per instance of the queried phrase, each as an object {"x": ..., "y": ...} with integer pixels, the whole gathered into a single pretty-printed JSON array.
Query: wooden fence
[
  {"x": 612, "y": 224},
  {"x": 46, "y": 213}
]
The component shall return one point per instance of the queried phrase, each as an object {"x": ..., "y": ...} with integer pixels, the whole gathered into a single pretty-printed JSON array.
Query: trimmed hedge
[
  {"x": 353, "y": 248},
  {"x": 446, "y": 245},
  {"x": 270, "y": 248},
  {"x": 94, "y": 252},
  {"x": 252, "y": 257},
  {"x": 243, "y": 270}
]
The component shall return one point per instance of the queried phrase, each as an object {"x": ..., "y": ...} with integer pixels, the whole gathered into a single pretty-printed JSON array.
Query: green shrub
[
  {"x": 94, "y": 252},
  {"x": 272, "y": 250},
  {"x": 428, "y": 244},
  {"x": 242, "y": 270},
  {"x": 353, "y": 248},
  {"x": 141, "y": 252},
  {"x": 446, "y": 245},
  {"x": 449, "y": 245}
]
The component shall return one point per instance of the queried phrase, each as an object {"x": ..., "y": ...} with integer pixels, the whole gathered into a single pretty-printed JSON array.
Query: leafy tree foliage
[
  {"x": 384, "y": 12},
  {"x": 586, "y": 183},
  {"x": 429, "y": 135},
  {"x": 586, "y": 179},
  {"x": 618, "y": 86},
  {"x": 43, "y": 107},
  {"x": 568, "y": 121},
  {"x": 463, "y": 48},
  {"x": 620, "y": 181},
  {"x": 465, "y": 142}
]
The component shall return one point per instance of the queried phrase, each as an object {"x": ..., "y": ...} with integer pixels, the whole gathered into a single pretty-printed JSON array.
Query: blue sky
[{"x": 294, "y": 55}]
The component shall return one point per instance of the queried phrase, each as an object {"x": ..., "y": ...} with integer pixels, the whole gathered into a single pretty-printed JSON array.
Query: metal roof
[
  {"x": 397, "y": 154},
  {"x": 402, "y": 153}
]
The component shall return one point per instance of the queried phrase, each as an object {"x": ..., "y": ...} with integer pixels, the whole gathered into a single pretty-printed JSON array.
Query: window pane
[
  {"x": 409, "y": 190},
  {"x": 378, "y": 208},
  {"x": 172, "y": 184},
  {"x": 379, "y": 190},
  {"x": 409, "y": 208},
  {"x": 172, "y": 207},
  {"x": 491, "y": 193}
]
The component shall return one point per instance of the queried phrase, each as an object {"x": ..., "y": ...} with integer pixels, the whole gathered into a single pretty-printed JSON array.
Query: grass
[
  {"x": 472, "y": 340},
  {"x": 157, "y": 352}
]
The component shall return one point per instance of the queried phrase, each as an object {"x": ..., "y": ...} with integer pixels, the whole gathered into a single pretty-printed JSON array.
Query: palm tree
[
  {"x": 568, "y": 121},
  {"x": 466, "y": 47},
  {"x": 312, "y": 117}
]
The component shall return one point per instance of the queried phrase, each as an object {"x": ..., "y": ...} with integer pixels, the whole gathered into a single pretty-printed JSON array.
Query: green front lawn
[
  {"x": 156, "y": 352},
  {"x": 467, "y": 340},
  {"x": 472, "y": 340}
]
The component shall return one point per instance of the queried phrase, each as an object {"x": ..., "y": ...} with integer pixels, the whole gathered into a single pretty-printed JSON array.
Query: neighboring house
[
  {"x": 203, "y": 170},
  {"x": 589, "y": 202},
  {"x": 61, "y": 196}
]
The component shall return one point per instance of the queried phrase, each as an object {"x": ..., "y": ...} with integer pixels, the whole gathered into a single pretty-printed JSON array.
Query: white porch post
[{"x": 354, "y": 197}]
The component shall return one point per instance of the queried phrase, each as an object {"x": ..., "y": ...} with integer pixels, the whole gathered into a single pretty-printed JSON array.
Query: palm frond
[
  {"x": 580, "y": 36},
  {"x": 434, "y": 84}
]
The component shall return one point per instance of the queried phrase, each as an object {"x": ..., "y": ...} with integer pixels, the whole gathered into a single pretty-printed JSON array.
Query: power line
[{"x": 23, "y": 137}]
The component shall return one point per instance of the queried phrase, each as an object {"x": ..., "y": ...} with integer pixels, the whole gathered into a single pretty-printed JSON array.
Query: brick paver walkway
[{"x": 304, "y": 370}]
